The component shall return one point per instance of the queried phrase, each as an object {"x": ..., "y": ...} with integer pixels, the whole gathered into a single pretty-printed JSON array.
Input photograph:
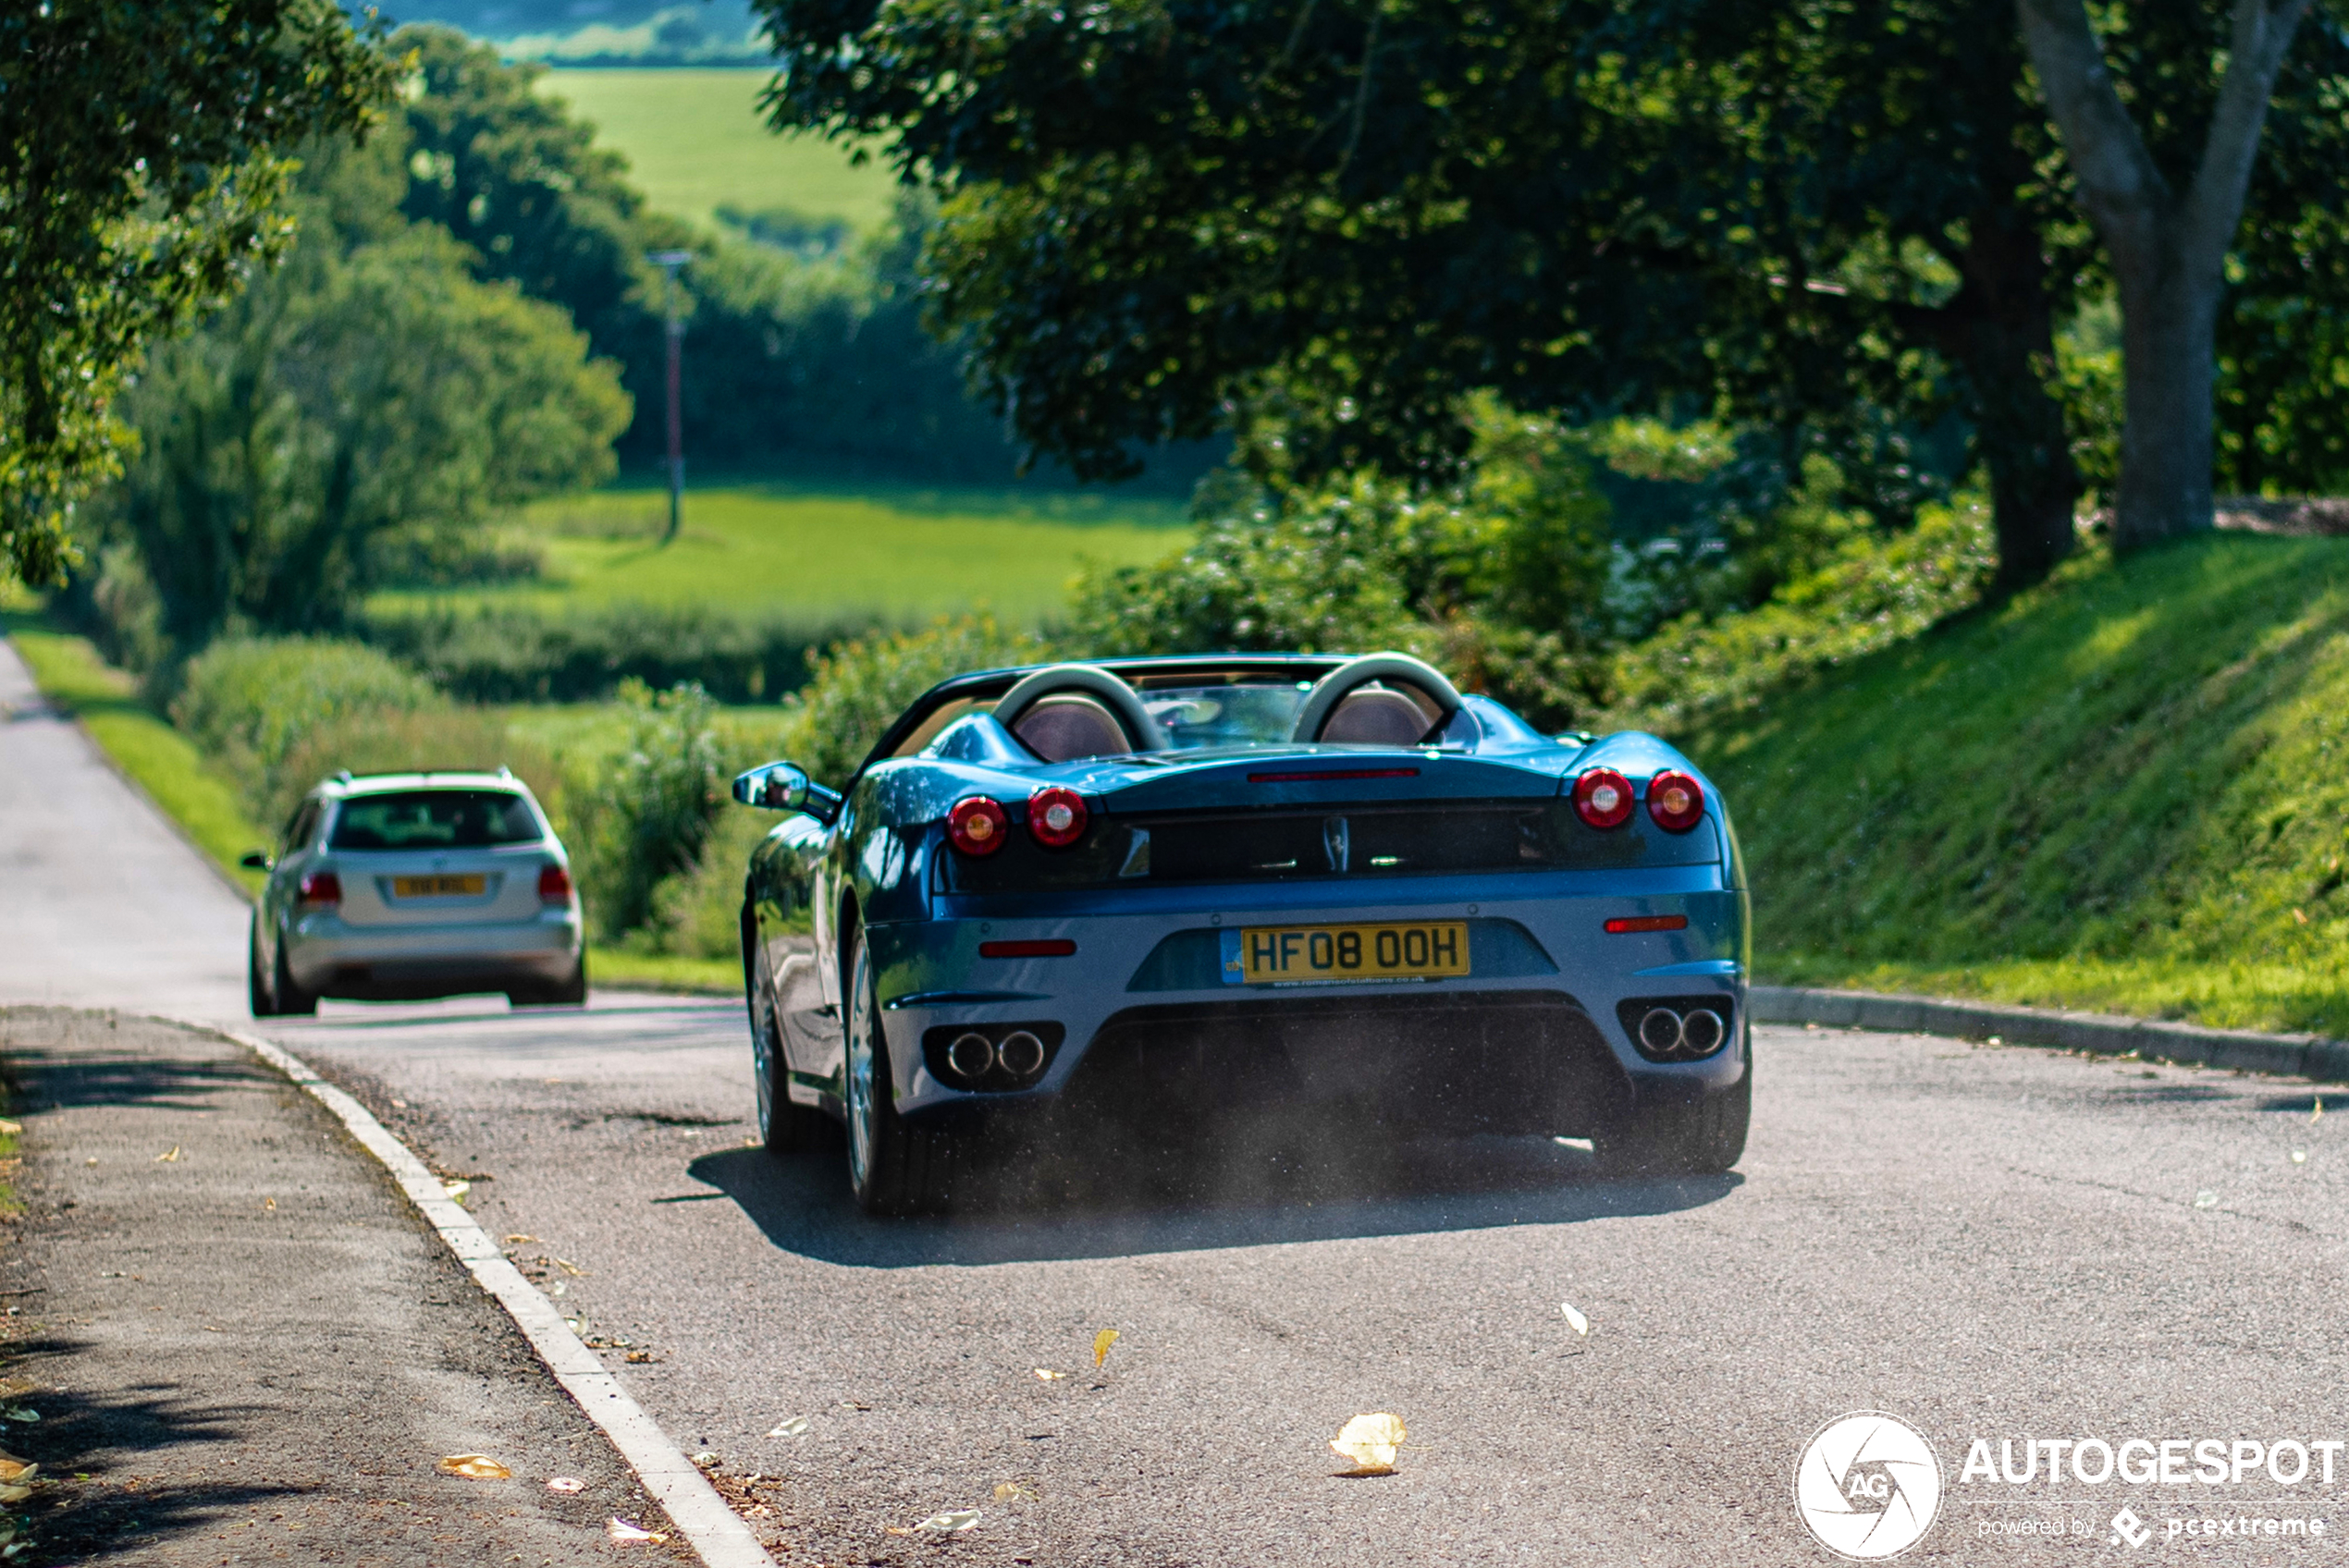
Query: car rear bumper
[
  {"x": 330, "y": 956},
  {"x": 1534, "y": 1038}
]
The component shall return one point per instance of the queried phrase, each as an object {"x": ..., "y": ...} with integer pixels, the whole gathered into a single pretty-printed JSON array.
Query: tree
[
  {"x": 368, "y": 386},
  {"x": 144, "y": 155},
  {"x": 2168, "y": 221}
]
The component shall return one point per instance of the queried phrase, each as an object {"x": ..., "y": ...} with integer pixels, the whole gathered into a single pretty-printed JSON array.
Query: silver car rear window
[{"x": 434, "y": 819}]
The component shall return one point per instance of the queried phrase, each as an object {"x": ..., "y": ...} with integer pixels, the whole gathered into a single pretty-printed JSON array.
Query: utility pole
[{"x": 669, "y": 261}]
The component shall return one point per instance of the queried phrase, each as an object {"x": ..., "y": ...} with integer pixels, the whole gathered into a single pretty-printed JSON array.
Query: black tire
[
  {"x": 257, "y": 996},
  {"x": 569, "y": 992},
  {"x": 1704, "y": 1139},
  {"x": 894, "y": 1168},
  {"x": 785, "y": 1128},
  {"x": 288, "y": 1000}
]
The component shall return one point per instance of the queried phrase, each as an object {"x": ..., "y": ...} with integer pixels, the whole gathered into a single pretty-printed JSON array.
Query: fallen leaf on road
[
  {"x": 9, "y": 1129},
  {"x": 270, "y": 1204},
  {"x": 21, "y": 1413},
  {"x": 14, "y": 1470},
  {"x": 2206, "y": 1199},
  {"x": 1044, "y": 1375},
  {"x": 571, "y": 1269},
  {"x": 478, "y": 1466},
  {"x": 705, "y": 1459},
  {"x": 797, "y": 1426},
  {"x": 167, "y": 1156},
  {"x": 566, "y": 1485},
  {"x": 1011, "y": 1492},
  {"x": 946, "y": 1523},
  {"x": 897, "y": 1529},
  {"x": 852, "y": 1404},
  {"x": 1371, "y": 1442},
  {"x": 519, "y": 1240},
  {"x": 622, "y": 1530},
  {"x": 2312, "y": 1115},
  {"x": 455, "y": 1191},
  {"x": 22, "y": 1388},
  {"x": 1101, "y": 1342},
  {"x": 640, "y": 1358},
  {"x": 1575, "y": 1319},
  {"x": 14, "y": 1493}
]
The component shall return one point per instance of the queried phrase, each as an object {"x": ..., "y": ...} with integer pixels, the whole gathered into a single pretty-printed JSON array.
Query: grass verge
[
  {"x": 621, "y": 968},
  {"x": 2123, "y": 791},
  {"x": 161, "y": 761}
]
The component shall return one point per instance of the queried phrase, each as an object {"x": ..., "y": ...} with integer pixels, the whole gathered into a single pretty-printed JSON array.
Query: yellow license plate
[
  {"x": 1420, "y": 949},
  {"x": 438, "y": 886}
]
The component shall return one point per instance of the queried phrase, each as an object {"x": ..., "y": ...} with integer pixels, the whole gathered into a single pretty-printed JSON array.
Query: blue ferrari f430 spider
[{"x": 1137, "y": 890}]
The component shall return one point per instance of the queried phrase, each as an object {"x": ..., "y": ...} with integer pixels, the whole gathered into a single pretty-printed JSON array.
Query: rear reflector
[
  {"x": 1054, "y": 947},
  {"x": 1624, "y": 925},
  {"x": 321, "y": 888},
  {"x": 1333, "y": 773},
  {"x": 554, "y": 885}
]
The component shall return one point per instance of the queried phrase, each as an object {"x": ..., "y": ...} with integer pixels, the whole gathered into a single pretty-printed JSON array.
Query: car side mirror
[
  {"x": 253, "y": 860},
  {"x": 780, "y": 786}
]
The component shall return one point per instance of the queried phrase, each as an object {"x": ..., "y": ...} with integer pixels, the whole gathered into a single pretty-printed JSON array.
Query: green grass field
[
  {"x": 695, "y": 140},
  {"x": 2123, "y": 790},
  {"x": 832, "y": 556}
]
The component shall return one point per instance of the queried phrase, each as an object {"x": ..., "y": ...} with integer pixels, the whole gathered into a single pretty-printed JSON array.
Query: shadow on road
[
  {"x": 108, "y": 1455},
  {"x": 46, "y": 1080},
  {"x": 1122, "y": 1203}
]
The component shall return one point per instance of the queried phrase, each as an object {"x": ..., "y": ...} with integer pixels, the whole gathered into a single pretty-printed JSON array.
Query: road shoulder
[{"x": 241, "y": 1339}]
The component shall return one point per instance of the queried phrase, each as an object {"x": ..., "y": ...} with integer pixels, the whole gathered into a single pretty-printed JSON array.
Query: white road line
[{"x": 715, "y": 1532}]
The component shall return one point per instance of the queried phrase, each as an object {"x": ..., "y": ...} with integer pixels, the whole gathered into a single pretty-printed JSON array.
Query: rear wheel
[
  {"x": 783, "y": 1127},
  {"x": 257, "y": 996},
  {"x": 570, "y": 991},
  {"x": 894, "y": 1168},
  {"x": 285, "y": 997},
  {"x": 1703, "y": 1139}
]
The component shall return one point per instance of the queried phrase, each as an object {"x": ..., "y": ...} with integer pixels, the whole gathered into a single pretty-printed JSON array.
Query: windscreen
[
  {"x": 435, "y": 819},
  {"x": 1196, "y": 717}
]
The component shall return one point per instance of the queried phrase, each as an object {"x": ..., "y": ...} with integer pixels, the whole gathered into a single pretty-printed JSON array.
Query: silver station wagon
[{"x": 405, "y": 885}]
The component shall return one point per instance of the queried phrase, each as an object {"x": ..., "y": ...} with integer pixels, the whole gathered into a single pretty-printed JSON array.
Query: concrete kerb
[
  {"x": 2247, "y": 1050},
  {"x": 718, "y": 1535}
]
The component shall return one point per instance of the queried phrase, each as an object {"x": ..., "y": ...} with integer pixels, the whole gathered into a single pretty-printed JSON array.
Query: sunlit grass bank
[{"x": 2124, "y": 791}]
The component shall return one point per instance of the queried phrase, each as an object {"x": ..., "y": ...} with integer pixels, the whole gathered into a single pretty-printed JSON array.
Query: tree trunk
[
  {"x": 2167, "y": 249},
  {"x": 2000, "y": 330},
  {"x": 2169, "y": 345}
]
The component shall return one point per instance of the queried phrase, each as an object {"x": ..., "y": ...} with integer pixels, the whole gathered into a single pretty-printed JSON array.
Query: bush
[
  {"x": 251, "y": 701},
  {"x": 518, "y": 655},
  {"x": 644, "y": 816},
  {"x": 857, "y": 686},
  {"x": 1879, "y": 591}
]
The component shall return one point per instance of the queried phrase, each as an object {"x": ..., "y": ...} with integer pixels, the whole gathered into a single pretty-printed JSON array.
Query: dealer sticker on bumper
[{"x": 1418, "y": 950}]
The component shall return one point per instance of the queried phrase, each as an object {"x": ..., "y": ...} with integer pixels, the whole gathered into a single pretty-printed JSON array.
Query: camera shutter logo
[{"x": 1868, "y": 1486}]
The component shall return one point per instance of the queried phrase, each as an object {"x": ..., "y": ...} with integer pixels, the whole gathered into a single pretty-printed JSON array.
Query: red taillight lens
[
  {"x": 977, "y": 825},
  {"x": 1603, "y": 798},
  {"x": 321, "y": 888},
  {"x": 1675, "y": 801},
  {"x": 1056, "y": 816},
  {"x": 1061, "y": 947},
  {"x": 554, "y": 885},
  {"x": 1626, "y": 923}
]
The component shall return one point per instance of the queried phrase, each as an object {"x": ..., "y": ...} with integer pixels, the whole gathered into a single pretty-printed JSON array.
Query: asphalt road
[{"x": 1986, "y": 1241}]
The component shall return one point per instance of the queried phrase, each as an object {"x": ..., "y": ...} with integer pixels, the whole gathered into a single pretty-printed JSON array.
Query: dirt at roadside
[{"x": 241, "y": 1345}]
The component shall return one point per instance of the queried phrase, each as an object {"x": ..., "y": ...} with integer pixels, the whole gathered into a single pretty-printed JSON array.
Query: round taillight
[
  {"x": 1675, "y": 801},
  {"x": 1603, "y": 798},
  {"x": 977, "y": 825},
  {"x": 1056, "y": 815}
]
